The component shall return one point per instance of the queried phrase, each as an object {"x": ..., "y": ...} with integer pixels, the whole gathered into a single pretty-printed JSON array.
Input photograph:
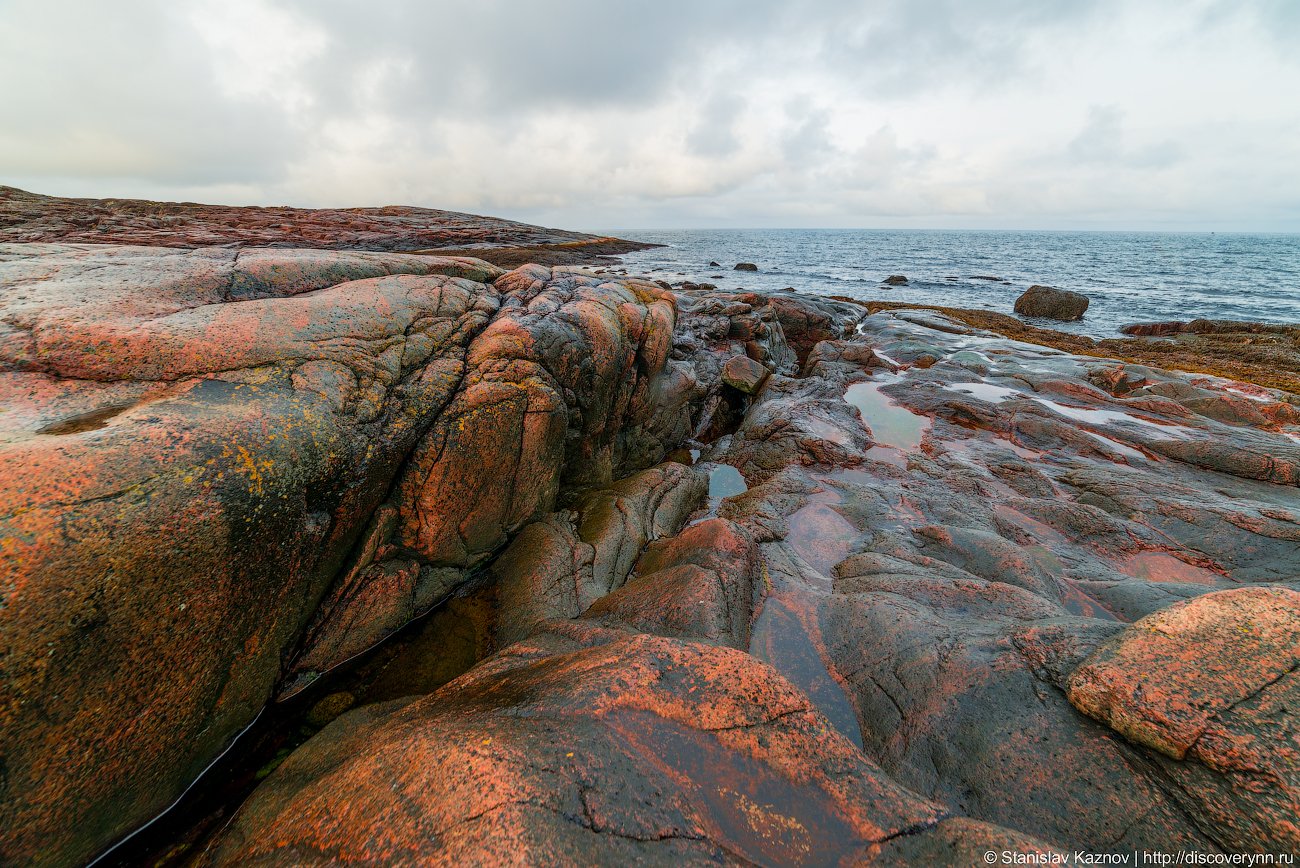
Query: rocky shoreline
[
  {"x": 550, "y": 565},
  {"x": 33, "y": 218}
]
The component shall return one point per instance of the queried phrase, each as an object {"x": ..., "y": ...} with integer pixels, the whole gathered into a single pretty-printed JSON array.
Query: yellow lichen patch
[
  {"x": 769, "y": 823},
  {"x": 253, "y": 469}
]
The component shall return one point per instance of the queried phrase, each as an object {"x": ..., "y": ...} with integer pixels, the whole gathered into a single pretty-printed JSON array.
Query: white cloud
[
  {"x": 257, "y": 51},
  {"x": 604, "y": 115}
]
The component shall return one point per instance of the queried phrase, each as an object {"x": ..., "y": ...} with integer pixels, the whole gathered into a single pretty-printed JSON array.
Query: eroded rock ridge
[{"x": 713, "y": 576}]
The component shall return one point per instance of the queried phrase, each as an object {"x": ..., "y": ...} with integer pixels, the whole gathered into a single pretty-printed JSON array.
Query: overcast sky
[{"x": 606, "y": 115}]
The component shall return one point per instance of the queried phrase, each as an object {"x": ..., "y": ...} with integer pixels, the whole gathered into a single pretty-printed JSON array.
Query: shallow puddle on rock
[
  {"x": 725, "y": 481},
  {"x": 992, "y": 394},
  {"x": 1115, "y": 445},
  {"x": 891, "y": 423},
  {"x": 985, "y": 391},
  {"x": 1162, "y": 567},
  {"x": 781, "y": 640},
  {"x": 1107, "y": 417},
  {"x": 819, "y": 534},
  {"x": 83, "y": 422}
]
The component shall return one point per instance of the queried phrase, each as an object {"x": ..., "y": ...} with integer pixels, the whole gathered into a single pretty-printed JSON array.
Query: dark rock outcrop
[
  {"x": 965, "y": 593},
  {"x": 895, "y": 280},
  {"x": 193, "y": 445},
  {"x": 745, "y": 266},
  {"x": 1048, "y": 302},
  {"x": 228, "y": 471},
  {"x": 1210, "y": 327}
]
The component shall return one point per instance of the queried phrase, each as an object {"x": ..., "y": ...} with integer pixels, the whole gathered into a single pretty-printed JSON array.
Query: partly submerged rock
[
  {"x": 1048, "y": 302},
  {"x": 895, "y": 280},
  {"x": 745, "y": 266},
  {"x": 1210, "y": 327}
]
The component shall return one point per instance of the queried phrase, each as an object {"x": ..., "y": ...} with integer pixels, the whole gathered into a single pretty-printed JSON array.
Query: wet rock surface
[
  {"x": 587, "y": 744},
  {"x": 920, "y": 592},
  {"x": 1258, "y": 354}
]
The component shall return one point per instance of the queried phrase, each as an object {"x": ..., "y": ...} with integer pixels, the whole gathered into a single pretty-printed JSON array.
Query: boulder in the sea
[
  {"x": 895, "y": 280},
  {"x": 746, "y": 266},
  {"x": 745, "y": 374},
  {"x": 714, "y": 263},
  {"x": 1049, "y": 302}
]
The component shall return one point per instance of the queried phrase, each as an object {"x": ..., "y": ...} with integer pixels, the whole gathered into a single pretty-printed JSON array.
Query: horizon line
[{"x": 954, "y": 229}]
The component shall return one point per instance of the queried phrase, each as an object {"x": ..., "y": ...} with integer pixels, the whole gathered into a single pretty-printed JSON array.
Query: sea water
[{"x": 1129, "y": 276}]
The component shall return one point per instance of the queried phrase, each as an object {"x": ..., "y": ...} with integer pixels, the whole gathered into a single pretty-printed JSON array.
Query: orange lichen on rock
[
  {"x": 1155, "y": 684},
  {"x": 632, "y": 746}
]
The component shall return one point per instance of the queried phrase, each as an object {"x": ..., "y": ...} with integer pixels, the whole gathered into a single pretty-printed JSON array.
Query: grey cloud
[
  {"x": 485, "y": 56},
  {"x": 1102, "y": 140},
  {"x": 1277, "y": 20},
  {"x": 680, "y": 111},
  {"x": 1099, "y": 140},
  {"x": 714, "y": 134},
  {"x": 807, "y": 138},
  {"x": 898, "y": 48},
  {"x": 123, "y": 90},
  {"x": 882, "y": 160},
  {"x": 491, "y": 55}
]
